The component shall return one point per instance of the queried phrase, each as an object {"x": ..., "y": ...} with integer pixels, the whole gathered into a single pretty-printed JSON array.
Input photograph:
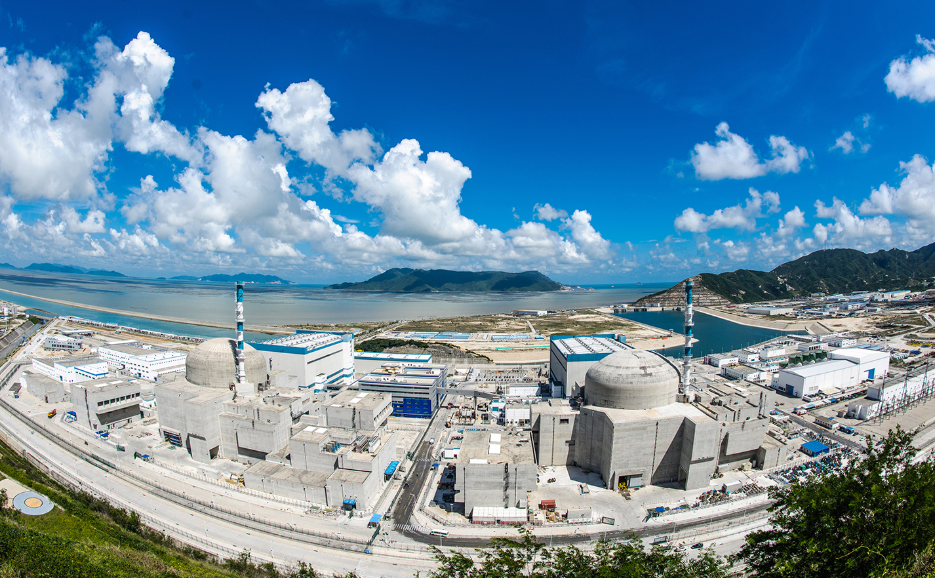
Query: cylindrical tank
[{"x": 632, "y": 379}]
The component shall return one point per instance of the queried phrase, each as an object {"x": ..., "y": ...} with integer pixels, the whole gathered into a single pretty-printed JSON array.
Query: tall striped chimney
[
  {"x": 241, "y": 369},
  {"x": 689, "y": 323}
]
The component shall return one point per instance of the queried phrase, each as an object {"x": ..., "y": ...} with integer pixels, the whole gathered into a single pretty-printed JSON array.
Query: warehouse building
[
  {"x": 872, "y": 363},
  {"x": 769, "y": 311},
  {"x": 744, "y": 372},
  {"x": 416, "y": 389},
  {"x": 570, "y": 357},
  {"x": 827, "y": 377},
  {"x": 318, "y": 359},
  {"x": 146, "y": 363}
]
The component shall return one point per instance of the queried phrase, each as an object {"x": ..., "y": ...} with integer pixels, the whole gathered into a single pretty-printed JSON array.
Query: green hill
[
  {"x": 828, "y": 271},
  {"x": 426, "y": 281}
]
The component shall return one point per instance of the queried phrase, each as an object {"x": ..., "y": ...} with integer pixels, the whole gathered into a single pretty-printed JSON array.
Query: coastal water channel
[
  {"x": 714, "y": 335},
  {"x": 275, "y": 304}
]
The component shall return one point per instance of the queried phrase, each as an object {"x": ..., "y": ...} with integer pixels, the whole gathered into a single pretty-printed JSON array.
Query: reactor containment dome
[
  {"x": 214, "y": 364},
  {"x": 634, "y": 379}
]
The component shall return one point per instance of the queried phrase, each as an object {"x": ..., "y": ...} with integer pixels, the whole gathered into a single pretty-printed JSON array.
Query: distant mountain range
[
  {"x": 245, "y": 277},
  {"x": 828, "y": 271},
  {"x": 426, "y": 281},
  {"x": 69, "y": 269}
]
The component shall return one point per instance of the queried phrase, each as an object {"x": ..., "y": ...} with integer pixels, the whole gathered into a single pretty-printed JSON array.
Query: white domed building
[
  {"x": 214, "y": 364},
  {"x": 632, "y": 429}
]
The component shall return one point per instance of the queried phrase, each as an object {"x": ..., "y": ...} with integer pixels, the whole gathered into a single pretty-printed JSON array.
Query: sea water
[
  {"x": 277, "y": 304},
  {"x": 714, "y": 335}
]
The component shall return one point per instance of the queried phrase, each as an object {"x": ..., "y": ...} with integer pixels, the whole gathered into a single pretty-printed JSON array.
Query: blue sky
[{"x": 596, "y": 142}]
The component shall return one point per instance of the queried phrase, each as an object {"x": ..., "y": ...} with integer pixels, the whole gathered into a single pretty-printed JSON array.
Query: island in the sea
[
  {"x": 405, "y": 280},
  {"x": 242, "y": 277}
]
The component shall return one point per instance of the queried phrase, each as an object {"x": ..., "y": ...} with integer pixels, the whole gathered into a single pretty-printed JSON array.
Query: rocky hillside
[{"x": 674, "y": 296}]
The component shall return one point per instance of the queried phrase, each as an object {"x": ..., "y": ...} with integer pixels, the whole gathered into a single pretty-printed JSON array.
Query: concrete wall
[
  {"x": 656, "y": 449},
  {"x": 742, "y": 436},
  {"x": 192, "y": 412},
  {"x": 288, "y": 483},
  {"x": 254, "y": 432},
  {"x": 503, "y": 485},
  {"x": 364, "y": 489},
  {"x": 354, "y": 417},
  {"x": 699, "y": 453},
  {"x": 44, "y": 388},
  {"x": 553, "y": 437}
]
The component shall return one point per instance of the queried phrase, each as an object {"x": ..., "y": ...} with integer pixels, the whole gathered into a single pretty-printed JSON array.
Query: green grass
[{"x": 85, "y": 536}]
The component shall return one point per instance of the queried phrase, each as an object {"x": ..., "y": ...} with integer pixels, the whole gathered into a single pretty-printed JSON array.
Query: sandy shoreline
[{"x": 154, "y": 317}]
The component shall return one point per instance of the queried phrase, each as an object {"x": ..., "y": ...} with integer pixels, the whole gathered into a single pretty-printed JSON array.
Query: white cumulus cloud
[
  {"x": 740, "y": 217},
  {"x": 914, "y": 78},
  {"x": 732, "y": 157},
  {"x": 547, "y": 212}
]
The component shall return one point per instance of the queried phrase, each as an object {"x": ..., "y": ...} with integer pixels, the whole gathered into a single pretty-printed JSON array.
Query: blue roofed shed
[{"x": 815, "y": 448}]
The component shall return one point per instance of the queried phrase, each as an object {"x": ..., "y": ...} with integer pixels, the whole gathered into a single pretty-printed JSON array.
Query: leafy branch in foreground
[
  {"x": 872, "y": 518},
  {"x": 526, "y": 557}
]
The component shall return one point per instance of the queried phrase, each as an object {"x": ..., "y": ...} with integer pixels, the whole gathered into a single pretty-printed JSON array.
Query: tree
[
  {"x": 868, "y": 519},
  {"x": 526, "y": 557}
]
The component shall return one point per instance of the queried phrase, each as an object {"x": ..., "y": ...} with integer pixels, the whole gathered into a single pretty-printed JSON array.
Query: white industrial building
[
  {"x": 318, "y": 360},
  {"x": 744, "y": 372},
  {"x": 367, "y": 361},
  {"x": 872, "y": 363},
  {"x": 720, "y": 360},
  {"x": 894, "y": 393},
  {"x": 143, "y": 362},
  {"x": 417, "y": 389},
  {"x": 61, "y": 343},
  {"x": 571, "y": 356},
  {"x": 72, "y": 368},
  {"x": 770, "y": 311},
  {"x": 839, "y": 341},
  {"x": 810, "y": 347},
  {"x": 827, "y": 377}
]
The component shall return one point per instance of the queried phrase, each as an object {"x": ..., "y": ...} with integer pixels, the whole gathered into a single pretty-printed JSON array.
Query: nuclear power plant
[
  {"x": 228, "y": 405},
  {"x": 610, "y": 429}
]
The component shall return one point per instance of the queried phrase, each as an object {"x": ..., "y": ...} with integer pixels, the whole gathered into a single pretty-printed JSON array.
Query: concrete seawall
[{"x": 763, "y": 323}]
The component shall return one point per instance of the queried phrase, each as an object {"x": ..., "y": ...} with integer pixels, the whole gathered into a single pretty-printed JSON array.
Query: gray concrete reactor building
[{"x": 633, "y": 430}]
